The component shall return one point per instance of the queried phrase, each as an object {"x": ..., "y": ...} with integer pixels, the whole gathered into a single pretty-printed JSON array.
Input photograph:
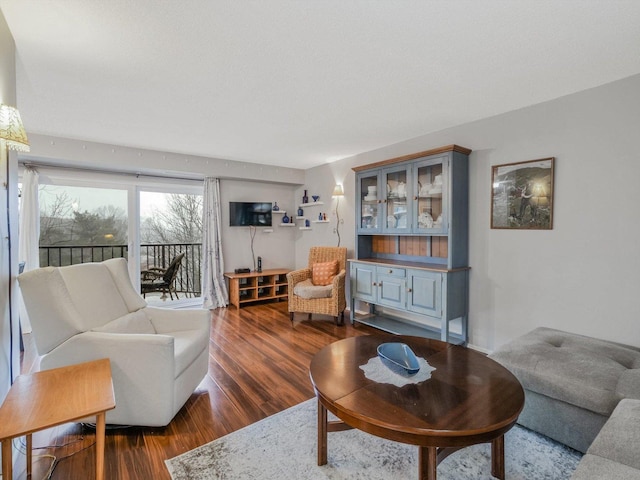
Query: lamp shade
[
  {"x": 12, "y": 130},
  {"x": 338, "y": 191}
]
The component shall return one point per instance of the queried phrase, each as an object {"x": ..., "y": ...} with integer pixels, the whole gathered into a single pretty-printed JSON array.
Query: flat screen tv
[{"x": 250, "y": 214}]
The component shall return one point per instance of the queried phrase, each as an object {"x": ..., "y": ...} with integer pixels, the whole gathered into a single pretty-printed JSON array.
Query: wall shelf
[
  {"x": 287, "y": 224},
  {"x": 312, "y": 204},
  {"x": 305, "y": 228}
]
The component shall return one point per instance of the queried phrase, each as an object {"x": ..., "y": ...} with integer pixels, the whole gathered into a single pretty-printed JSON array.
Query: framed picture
[{"x": 522, "y": 195}]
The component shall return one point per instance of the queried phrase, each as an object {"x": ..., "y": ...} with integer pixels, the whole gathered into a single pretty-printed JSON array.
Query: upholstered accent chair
[
  {"x": 90, "y": 311},
  {"x": 319, "y": 288}
]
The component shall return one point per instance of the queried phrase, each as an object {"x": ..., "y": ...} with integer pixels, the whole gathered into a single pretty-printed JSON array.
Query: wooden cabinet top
[
  {"x": 413, "y": 156},
  {"x": 273, "y": 271}
]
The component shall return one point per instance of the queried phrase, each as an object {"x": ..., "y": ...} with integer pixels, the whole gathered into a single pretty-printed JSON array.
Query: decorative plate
[{"x": 399, "y": 358}]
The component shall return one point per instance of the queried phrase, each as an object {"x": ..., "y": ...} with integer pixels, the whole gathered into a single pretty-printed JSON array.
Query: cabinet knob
[
  {"x": 409, "y": 290},
  {"x": 415, "y": 198},
  {"x": 390, "y": 271},
  {"x": 374, "y": 284}
]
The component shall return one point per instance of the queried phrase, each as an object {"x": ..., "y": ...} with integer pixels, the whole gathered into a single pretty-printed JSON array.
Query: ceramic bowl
[
  {"x": 315, "y": 197},
  {"x": 399, "y": 358}
]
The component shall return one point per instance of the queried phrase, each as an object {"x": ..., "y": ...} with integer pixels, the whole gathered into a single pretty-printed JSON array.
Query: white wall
[
  {"x": 584, "y": 275},
  {"x": 7, "y": 96},
  {"x": 276, "y": 248}
]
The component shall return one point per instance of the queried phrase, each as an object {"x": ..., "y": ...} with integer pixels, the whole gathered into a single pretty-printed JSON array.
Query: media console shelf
[{"x": 255, "y": 286}]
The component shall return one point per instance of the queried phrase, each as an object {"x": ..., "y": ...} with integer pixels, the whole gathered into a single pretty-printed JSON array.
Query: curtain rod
[{"x": 32, "y": 164}]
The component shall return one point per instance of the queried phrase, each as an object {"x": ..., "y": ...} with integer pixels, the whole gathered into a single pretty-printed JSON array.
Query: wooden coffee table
[
  {"x": 52, "y": 397},
  {"x": 469, "y": 399}
]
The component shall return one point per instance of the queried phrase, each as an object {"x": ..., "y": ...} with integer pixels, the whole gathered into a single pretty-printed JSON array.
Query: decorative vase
[
  {"x": 275, "y": 207},
  {"x": 285, "y": 219},
  {"x": 300, "y": 212},
  {"x": 320, "y": 216},
  {"x": 315, "y": 197},
  {"x": 307, "y": 223},
  {"x": 305, "y": 199}
]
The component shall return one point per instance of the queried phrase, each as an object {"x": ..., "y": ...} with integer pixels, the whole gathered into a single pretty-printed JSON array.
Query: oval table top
[{"x": 469, "y": 398}]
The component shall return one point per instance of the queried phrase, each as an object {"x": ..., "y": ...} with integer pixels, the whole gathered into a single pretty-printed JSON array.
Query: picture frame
[{"x": 522, "y": 195}]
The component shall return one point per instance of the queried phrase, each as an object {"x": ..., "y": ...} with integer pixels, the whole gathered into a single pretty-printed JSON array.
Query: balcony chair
[
  {"x": 319, "y": 288},
  {"x": 160, "y": 280},
  {"x": 91, "y": 311}
]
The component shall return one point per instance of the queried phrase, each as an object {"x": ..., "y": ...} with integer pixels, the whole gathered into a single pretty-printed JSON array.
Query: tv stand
[{"x": 255, "y": 286}]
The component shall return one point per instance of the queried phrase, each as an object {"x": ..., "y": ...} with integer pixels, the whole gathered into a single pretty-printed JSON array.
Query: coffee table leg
[
  {"x": 427, "y": 463},
  {"x": 100, "y": 430},
  {"x": 497, "y": 457},
  {"x": 322, "y": 434}
]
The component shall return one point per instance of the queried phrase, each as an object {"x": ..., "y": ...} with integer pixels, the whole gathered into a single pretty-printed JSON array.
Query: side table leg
[
  {"x": 7, "y": 462},
  {"x": 427, "y": 463},
  {"x": 322, "y": 434},
  {"x": 100, "y": 431},
  {"x": 497, "y": 457},
  {"x": 29, "y": 454}
]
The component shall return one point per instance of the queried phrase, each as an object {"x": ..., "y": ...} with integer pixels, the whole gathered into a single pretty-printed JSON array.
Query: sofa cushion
[
  {"x": 135, "y": 322},
  {"x": 619, "y": 439},
  {"x": 593, "y": 467},
  {"x": 579, "y": 370},
  {"x": 322, "y": 273},
  {"x": 306, "y": 289}
]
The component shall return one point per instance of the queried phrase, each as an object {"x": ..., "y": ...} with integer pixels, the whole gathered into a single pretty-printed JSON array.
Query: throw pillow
[{"x": 323, "y": 273}]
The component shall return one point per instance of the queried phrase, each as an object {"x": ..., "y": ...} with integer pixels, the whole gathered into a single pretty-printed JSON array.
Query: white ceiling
[{"x": 303, "y": 82}]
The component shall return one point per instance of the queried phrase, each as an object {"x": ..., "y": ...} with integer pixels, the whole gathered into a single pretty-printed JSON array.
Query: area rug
[{"x": 283, "y": 447}]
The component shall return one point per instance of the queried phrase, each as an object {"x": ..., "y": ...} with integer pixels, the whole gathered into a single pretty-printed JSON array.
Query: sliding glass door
[
  {"x": 152, "y": 222},
  {"x": 170, "y": 244}
]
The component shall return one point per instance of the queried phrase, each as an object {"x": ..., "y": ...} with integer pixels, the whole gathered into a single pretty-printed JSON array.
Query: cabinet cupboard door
[
  {"x": 369, "y": 202},
  {"x": 431, "y": 180},
  {"x": 363, "y": 282},
  {"x": 392, "y": 291},
  {"x": 397, "y": 211},
  {"x": 424, "y": 292}
]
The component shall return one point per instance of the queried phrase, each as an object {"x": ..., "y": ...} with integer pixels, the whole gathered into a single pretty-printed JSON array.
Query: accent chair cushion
[
  {"x": 323, "y": 273},
  {"x": 306, "y": 289},
  {"x": 135, "y": 322}
]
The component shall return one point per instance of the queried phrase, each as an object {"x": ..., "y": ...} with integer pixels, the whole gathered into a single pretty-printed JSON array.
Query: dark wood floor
[{"x": 258, "y": 366}]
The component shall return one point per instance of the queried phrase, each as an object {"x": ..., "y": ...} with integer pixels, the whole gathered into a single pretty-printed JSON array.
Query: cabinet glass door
[
  {"x": 397, "y": 193},
  {"x": 370, "y": 203},
  {"x": 430, "y": 184}
]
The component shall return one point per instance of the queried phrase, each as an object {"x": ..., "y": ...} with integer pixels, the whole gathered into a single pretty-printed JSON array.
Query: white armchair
[{"x": 90, "y": 311}]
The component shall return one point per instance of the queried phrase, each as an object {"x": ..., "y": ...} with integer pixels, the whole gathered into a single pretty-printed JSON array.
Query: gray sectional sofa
[{"x": 573, "y": 384}]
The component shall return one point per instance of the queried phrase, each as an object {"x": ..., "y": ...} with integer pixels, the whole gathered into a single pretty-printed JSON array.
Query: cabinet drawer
[{"x": 391, "y": 271}]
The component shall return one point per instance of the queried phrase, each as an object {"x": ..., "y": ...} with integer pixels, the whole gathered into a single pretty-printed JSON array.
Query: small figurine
[
  {"x": 324, "y": 216},
  {"x": 320, "y": 216}
]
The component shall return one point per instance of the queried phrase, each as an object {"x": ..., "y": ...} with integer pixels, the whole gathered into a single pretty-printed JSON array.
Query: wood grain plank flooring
[{"x": 258, "y": 366}]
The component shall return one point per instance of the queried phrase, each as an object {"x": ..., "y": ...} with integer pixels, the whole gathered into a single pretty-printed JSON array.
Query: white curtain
[
  {"x": 214, "y": 288},
  {"x": 29, "y": 235}
]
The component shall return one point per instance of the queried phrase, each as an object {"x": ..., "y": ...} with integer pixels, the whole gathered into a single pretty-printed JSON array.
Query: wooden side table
[{"x": 53, "y": 397}]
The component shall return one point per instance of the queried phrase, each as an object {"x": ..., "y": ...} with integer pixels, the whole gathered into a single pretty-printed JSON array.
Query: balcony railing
[{"x": 151, "y": 255}]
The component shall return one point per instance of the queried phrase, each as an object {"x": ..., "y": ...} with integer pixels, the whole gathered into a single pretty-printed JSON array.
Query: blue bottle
[{"x": 285, "y": 219}]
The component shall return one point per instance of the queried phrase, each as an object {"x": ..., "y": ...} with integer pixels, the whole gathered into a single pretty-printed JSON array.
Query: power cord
[
  {"x": 252, "y": 233},
  {"x": 22, "y": 448}
]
